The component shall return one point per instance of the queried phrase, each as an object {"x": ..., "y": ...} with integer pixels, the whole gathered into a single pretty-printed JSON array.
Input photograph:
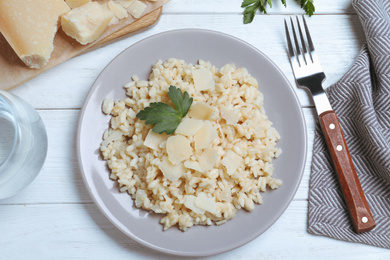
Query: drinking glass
[{"x": 23, "y": 144}]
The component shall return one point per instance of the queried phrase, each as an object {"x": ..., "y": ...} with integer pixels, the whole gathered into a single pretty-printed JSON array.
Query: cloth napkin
[{"x": 361, "y": 100}]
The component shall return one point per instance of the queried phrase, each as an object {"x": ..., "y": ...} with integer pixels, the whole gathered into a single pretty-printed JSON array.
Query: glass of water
[{"x": 23, "y": 144}]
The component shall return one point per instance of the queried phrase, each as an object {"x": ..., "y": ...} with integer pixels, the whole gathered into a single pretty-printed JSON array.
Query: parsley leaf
[
  {"x": 308, "y": 6},
  {"x": 164, "y": 117},
  {"x": 251, "y": 7}
]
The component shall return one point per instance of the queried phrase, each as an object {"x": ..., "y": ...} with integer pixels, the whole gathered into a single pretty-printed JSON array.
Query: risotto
[{"x": 219, "y": 159}]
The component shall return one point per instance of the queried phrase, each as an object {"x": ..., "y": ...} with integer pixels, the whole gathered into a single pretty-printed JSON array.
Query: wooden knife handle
[{"x": 353, "y": 193}]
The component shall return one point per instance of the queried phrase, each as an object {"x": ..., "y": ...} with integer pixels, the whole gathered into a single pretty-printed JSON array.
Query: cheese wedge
[
  {"x": 29, "y": 26},
  {"x": 87, "y": 22}
]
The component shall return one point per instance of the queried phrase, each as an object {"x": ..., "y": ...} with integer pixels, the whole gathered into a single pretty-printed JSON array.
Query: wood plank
[
  {"x": 338, "y": 40},
  {"x": 14, "y": 72},
  {"x": 233, "y": 7},
  {"x": 60, "y": 180},
  {"x": 81, "y": 231}
]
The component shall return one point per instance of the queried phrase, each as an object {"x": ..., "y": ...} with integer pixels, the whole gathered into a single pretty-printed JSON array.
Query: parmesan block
[
  {"x": 87, "y": 22},
  {"x": 193, "y": 165},
  {"x": 202, "y": 111},
  {"x": 190, "y": 203},
  {"x": 170, "y": 171},
  {"x": 118, "y": 10},
  {"x": 208, "y": 159},
  {"x": 178, "y": 149},
  {"x": 136, "y": 8},
  {"x": 30, "y": 26},
  {"x": 203, "y": 79},
  {"x": 231, "y": 161},
  {"x": 189, "y": 126},
  {"x": 231, "y": 116},
  {"x": 205, "y": 136},
  {"x": 76, "y": 3},
  {"x": 153, "y": 140}
]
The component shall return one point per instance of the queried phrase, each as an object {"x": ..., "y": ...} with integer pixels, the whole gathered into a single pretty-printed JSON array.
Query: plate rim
[{"x": 93, "y": 88}]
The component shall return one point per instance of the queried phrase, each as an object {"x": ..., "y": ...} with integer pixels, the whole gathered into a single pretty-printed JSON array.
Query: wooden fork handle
[{"x": 358, "y": 208}]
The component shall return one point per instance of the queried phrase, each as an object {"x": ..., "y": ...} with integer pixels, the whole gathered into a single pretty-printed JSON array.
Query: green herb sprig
[
  {"x": 251, "y": 7},
  {"x": 164, "y": 117}
]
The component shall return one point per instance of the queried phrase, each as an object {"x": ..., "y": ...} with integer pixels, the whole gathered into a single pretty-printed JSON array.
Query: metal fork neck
[{"x": 314, "y": 85}]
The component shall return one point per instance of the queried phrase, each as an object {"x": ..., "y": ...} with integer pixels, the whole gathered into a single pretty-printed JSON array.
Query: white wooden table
[{"x": 55, "y": 218}]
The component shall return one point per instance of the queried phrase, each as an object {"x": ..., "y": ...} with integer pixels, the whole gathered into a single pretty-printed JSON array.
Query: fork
[{"x": 309, "y": 74}]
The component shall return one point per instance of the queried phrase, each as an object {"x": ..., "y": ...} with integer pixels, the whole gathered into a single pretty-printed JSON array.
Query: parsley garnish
[
  {"x": 164, "y": 117},
  {"x": 251, "y": 7}
]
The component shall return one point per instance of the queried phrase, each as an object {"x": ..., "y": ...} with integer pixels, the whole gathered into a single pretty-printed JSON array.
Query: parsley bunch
[
  {"x": 251, "y": 7},
  {"x": 164, "y": 117}
]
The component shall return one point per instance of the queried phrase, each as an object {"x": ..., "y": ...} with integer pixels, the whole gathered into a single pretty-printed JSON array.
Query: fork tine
[
  {"x": 311, "y": 46},
  {"x": 303, "y": 43},
  {"x": 289, "y": 44},
  {"x": 297, "y": 48}
]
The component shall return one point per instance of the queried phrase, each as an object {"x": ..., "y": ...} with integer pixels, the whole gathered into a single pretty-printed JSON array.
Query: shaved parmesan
[
  {"x": 178, "y": 149},
  {"x": 200, "y": 110},
  {"x": 205, "y": 136},
  {"x": 203, "y": 79},
  {"x": 208, "y": 159},
  {"x": 140, "y": 197},
  {"x": 119, "y": 11},
  {"x": 125, "y": 3},
  {"x": 190, "y": 203},
  {"x": 189, "y": 126},
  {"x": 205, "y": 203},
  {"x": 136, "y": 8},
  {"x": 170, "y": 171},
  {"x": 76, "y": 3},
  {"x": 194, "y": 165},
  {"x": 231, "y": 161},
  {"x": 153, "y": 140},
  {"x": 114, "y": 136},
  {"x": 231, "y": 116}
]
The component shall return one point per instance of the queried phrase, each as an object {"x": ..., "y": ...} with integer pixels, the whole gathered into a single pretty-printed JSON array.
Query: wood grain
[
  {"x": 54, "y": 217},
  {"x": 358, "y": 207},
  {"x": 14, "y": 72}
]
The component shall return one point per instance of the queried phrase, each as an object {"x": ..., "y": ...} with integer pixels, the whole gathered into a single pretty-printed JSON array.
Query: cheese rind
[
  {"x": 29, "y": 26},
  {"x": 87, "y": 22}
]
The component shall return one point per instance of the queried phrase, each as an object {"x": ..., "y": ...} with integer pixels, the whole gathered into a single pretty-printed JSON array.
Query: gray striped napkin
[{"x": 361, "y": 99}]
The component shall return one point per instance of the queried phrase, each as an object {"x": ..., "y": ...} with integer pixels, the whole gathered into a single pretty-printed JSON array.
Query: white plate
[{"x": 281, "y": 106}]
